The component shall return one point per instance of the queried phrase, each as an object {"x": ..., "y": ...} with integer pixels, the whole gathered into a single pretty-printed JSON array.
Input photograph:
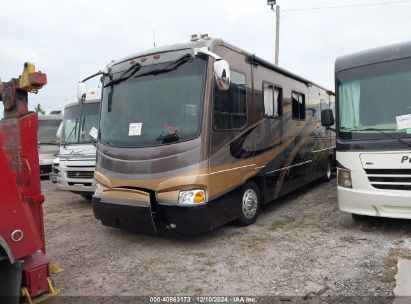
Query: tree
[{"x": 39, "y": 110}]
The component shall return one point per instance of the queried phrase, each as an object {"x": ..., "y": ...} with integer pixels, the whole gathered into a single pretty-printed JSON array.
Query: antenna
[{"x": 154, "y": 39}]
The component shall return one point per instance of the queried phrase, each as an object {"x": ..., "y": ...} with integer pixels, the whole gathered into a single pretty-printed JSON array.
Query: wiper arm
[
  {"x": 133, "y": 69},
  {"x": 170, "y": 67},
  {"x": 93, "y": 141},
  {"x": 388, "y": 135},
  {"x": 169, "y": 138}
]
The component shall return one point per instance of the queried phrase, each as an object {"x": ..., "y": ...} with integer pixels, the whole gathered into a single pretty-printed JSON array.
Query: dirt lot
[{"x": 300, "y": 244}]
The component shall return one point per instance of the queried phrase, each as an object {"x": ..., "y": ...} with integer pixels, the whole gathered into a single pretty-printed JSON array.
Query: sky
[{"x": 71, "y": 39}]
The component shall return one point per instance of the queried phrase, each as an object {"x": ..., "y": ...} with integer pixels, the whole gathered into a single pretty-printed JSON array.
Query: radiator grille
[
  {"x": 80, "y": 174},
  {"x": 390, "y": 179}
]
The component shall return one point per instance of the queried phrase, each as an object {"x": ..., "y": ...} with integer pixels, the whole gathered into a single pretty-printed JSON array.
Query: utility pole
[
  {"x": 276, "y": 9},
  {"x": 277, "y": 34}
]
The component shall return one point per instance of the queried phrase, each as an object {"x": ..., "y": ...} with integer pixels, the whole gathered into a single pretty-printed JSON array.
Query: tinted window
[
  {"x": 230, "y": 107},
  {"x": 371, "y": 97},
  {"x": 272, "y": 100},
  {"x": 46, "y": 133},
  {"x": 298, "y": 104},
  {"x": 154, "y": 109}
]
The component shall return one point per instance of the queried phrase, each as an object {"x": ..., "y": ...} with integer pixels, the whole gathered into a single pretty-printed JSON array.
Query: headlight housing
[
  {"x": 192, "y": 197},
  {"x": 344, "y": 178},
  {"x": 99, "y": 191}
]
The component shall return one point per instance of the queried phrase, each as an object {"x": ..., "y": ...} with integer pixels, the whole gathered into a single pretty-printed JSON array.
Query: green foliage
[{"x": 39, "y": 110}]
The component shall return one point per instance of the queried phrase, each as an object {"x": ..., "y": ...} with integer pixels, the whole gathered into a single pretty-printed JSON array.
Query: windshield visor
[
  {"x": 372, "y": 97},
  {"x": 47, "y": 131},
  {"x": 155, "y": 108}
]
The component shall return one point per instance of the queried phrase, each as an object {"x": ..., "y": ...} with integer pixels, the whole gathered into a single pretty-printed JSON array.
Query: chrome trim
[
  {"x": 7, "y": 249},
  {"x": 231, "y": 169},
  {"x": 321, "y": 150},
  {"x": 13, "y": 235},
  {"x": 286, "y": 168},
  {"x": 389, "y": 175}
]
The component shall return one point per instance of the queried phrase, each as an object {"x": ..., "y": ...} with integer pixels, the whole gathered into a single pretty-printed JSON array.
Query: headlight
[
  {"x": 344, "y": 178},
  {"x": 192, "y": 197},
  {"x": 99, "y": 191}
]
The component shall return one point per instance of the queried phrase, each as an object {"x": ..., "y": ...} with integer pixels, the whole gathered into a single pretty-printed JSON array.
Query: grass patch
[{"x": 284, "y": 220}]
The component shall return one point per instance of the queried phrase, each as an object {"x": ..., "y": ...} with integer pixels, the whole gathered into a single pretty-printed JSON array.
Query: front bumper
[
  {"x": 153, "y": 218},
  {"x": 393, "y": 204},
  {"x": 76, "y": 185},
  {"x": 45, "y": 170}
]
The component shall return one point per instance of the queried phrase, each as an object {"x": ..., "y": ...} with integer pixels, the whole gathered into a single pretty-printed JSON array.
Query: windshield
[
  {"x": 46, "y": 133},
  {"x": 71, "y": 123},
  {"x": 78, "y": 121},
  {"x": 90, "y": 116},
  {"x": 370, "y": 99},
  {"x": 154, "y": 108}
]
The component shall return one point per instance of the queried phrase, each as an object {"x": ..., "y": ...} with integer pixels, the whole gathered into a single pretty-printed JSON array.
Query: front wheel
[
  {"x": 250, "y": 204},
  {"x": 10, "y": 281}
]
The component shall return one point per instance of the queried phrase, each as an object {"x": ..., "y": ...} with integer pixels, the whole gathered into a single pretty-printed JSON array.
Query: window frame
[
  {"x": 304, "y": 104},
  {"x": 246, "y": 105},
  {"x": 279, "y": 103}
]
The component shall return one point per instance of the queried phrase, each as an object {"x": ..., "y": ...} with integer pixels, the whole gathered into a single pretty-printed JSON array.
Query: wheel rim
[
  {"x": 329, "y": 170},
  {"x": 250, "y": 203}
]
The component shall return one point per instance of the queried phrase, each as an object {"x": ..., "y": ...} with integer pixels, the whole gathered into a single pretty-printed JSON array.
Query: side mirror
[
  {"x": 327, "y": 118},
  {"x": 81, "y": 91},
  {"x": 222, "y": 74}
]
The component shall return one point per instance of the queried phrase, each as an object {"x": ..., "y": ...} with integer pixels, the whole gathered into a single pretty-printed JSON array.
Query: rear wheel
[
  {"x": 250, "y": 204},
  {"x": 87, "y": 196}
]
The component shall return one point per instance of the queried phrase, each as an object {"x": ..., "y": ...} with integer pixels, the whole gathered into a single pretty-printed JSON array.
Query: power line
[{"x": 347, "y": 6}]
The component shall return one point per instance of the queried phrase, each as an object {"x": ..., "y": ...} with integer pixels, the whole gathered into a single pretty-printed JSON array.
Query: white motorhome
[
  {"x": 374, "y": 132},
  {"x": 48, "y": 141},
  {"x": 77, "y": 157}
]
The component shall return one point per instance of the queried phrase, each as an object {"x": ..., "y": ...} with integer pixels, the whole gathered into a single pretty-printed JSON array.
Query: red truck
[{"x": 24, "y": 266}]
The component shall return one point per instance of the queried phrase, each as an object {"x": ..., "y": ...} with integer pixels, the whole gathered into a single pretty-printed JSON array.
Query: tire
[
  {"x": 87, "y": 196},
  {"x": 359, "y": 217},
  {"x": 250, "y": 204},
  {"x": 10, "y": 282}
]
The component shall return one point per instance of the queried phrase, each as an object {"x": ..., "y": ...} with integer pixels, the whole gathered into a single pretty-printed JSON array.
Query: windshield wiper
[
  {"x": 133, "y": 69},
  {"x": 71, "y": 133},
  {"x": 170, "y": 67},
  {"x": 387, "y": 134},
  {"x": 169, "y": 138}
]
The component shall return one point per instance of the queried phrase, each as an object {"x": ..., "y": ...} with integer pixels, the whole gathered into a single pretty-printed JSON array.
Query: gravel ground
[{"x": 300, "y": 244}]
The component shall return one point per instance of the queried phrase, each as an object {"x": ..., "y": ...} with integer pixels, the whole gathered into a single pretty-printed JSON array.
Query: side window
[
  {"x": 230, "y": 107},
  {"x": 272, "y": 100},
  {"x": 298, "y": 105}
]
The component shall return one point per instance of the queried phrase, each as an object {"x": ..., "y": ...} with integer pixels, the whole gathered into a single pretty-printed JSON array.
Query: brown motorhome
[{"x": 196, "y": 135}]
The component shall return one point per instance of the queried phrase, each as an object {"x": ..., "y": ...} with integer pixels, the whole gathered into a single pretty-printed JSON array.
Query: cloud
[{"x": 70, "y": 39}]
